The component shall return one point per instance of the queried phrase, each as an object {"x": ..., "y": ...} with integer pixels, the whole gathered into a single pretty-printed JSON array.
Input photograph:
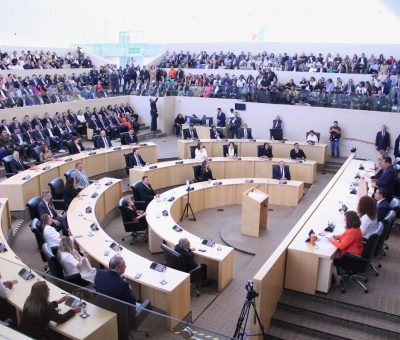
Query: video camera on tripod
[{"x": 251, "y": 292}]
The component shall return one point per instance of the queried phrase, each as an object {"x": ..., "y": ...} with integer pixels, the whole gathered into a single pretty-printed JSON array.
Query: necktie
[
  {"x": 105, "y": 142},
  {"x": 51, "y": 133},
  {"x": 95, "y": 124},
  {"x": 245, "y": 133},
  {"x": 191, "y": 133},
  {"x": 282, "y": 173},
  {"x": 20, "y": 140},
  {"x": 383, "y": 134},
  {"x": 138, "y": 161}
]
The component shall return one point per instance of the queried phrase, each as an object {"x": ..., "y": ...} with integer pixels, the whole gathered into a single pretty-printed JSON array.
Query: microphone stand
[{"x": 188, "y": 206}]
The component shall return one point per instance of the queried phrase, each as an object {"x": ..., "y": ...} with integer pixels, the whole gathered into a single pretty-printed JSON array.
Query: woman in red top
[{"x": 348, "y": 242}]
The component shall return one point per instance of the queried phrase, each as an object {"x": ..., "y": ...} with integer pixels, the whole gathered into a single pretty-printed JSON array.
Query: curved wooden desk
[
  {"x": 100, "y": 324},
  {"x": 20, "y": 190},
  {"x": 309, "y": 267},
  {"x": 172, "y": 173},
  {"x": 248, "y": 148},
  {"x": 219, "y": 259},
  {"x": 173, "y": 297}
]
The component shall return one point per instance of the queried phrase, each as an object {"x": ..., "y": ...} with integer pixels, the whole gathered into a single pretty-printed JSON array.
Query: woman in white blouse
[
  {"x": 231, "y": 151},
  {"x": 73, "y": 263},
  {"x": 200, "y": 153},
  {"x": 50, "y": 235},
  {"x": 312, "y": 138},
  {"x": 366, "y": 209}
]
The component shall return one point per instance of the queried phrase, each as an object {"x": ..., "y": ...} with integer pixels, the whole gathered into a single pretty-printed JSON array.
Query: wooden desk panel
[
  {"x": 100, "y": 324},
  {"x": 19, "y": 191},
  {"x": 238, "y": 169},
  {"x": 163, "y": 297},
  {"x": 218, "y": 196}
]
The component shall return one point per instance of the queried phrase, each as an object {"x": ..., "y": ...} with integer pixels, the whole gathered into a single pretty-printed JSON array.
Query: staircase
[
  {"x": 145, "y": 134},
  {"x": 301, "y": 316},
  {"x": 333, "y": 165}
]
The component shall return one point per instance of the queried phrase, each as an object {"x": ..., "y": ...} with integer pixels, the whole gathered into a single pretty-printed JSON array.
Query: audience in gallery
[
  {"x": 281, "y": 62},
  {"x": 26, "y": 60}
]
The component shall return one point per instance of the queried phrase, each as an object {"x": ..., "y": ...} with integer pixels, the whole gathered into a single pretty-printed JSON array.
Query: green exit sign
[{"x": 134, "y": 50}]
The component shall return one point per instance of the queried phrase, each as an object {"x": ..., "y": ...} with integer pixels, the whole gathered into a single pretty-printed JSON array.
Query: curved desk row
[
  {"x": 248, "y": 148},
  {"x": 309, "y": 267},
  {"x": 172, "y": 297},
  {"x": 175, "y": 173},
  {"x": 29, "y": 183},
  {"x": 100, "y": 324},
  {"x": 219, "y": 259}
]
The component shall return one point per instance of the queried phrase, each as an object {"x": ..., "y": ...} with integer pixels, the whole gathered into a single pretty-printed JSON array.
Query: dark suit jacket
[
  {"x": 17, "y": 166},
  {"x": 128, "y": 139},
  {"x": 132, "y": 161},
  {"x": 276, "y": 173},
  {"x": 92, "y": 125},
  {"x": 382, "y": 209},
  {"x": 382, "y": 142},
  {"x": 276, "y": 124},
  {"x": 38, "y": 137},
  {"x": 267, "y": 152},
  {"x": 215, "y": 134},
  {"x": 15, "y": 139},
  {"x": 188, "y": 256},
  {"x": 145, "y": 193},
  {"x": 387, "y": 180},
  {"x": 396, "y": 150},
  {"x": 100, "y": 142},
  {"x": 221, "y": 119},
  {"x": 42, "y": 209},
  {"x": 241, "y": 133},
  {"x": 294, "y": 155},
  {"x": 35, "y": 122},
  {"x": 186, "y": 134},
  {"x": 74, "y": 149}
]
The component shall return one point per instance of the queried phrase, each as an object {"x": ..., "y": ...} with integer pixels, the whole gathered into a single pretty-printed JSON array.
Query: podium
[
  {"x": 276, "y": 134},
  {"x": 254, "y": 212}
]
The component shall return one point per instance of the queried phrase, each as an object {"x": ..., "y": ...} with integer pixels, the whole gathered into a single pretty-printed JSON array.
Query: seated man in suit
[
  {"x": 19, "y": 143},
  {"x": 387, "y": 179},
  {"x": 312, "y": 138},
  {"x": 145, "y": 191},
  {"x": 183, "y": 248},
  {"x": 216, "y": 134},
  {"x": 81, "y": 178},
  {"x": 245, "y": 132},
  {"x": 56, "y": 141},
  {"x": 190, "y": 133},
  {"x": 382, "y": 204},
  {"x": 40, "y": 137},
  {"x": 281, "y": 172},
  {"x": 297, "y": 153},
  {"x": 46, "y": 206},
  {"x": 76, "y": 146},
  {"x": 103, "y": 141},
  {"x": 6, "y": 143},
  {"x": 136, "y": 160},
  {"x": 16, "y": 165},
  {"x": 110, "y": 282},
  {"x": 129, "y": 138},
  {"x": 277, "y": 123},
  {"x": 94, "y": 125}
]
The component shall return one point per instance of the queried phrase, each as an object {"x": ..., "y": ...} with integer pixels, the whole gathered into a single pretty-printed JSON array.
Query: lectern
[{"x": 254, "y": 212}]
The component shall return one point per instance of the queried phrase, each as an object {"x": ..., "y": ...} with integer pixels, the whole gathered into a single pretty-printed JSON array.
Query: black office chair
[
  {"x": 140, "y": 204},
  {"x": 197, "y": 173},
  {"x": 318, "y": 134},
  {"x": 175, "y": 260},
  {"x": 259, "y": 150},
  {"x": 123, "y": 139},
  {"x": 395, "y": 205},
  {"x": 36, "y": 154},
  {"x": 69, "y": 146},
  {"x": 193, "y": 151},
  {"x": 387, "y": 227},
  {"x": 56, "y": 270},
  {"x": 6, "y": 161},
  {"x": 135, "y": 228},
  {"x": 32, "y": 206},
  {"x": 36, "y": 228},
  {"x": 96, "y": 141},
  {"x": 68, "y": 173},
  {"x": 127, "y": 156},
  {"x": 355, "y": 265},
  {"x": 57, "y": 191},
  {"x": 184, "y": 132},
  {"x": 225, "y": 150}
]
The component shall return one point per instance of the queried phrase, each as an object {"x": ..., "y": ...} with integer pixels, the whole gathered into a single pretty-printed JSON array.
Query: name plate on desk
[
  {"x": 249, "y": 181},
  {"x": 88, "y": 210},
  {"x": 177, "y": 228},
  {"x": 143, "y": 144},
  {"x": 115, "y": 246},
  {"x": 239, "y": 158},
  {"x": 95, "y": 194},
  {"x": 26, "y": 177},
  {"x": 179, "y": 162},
  {"x": 69, "y": 159},
  {"x": 208, "y": 243},
  {"x": 158, "y": 266},
  {"x": 153, "y": 167},
  {"x": 171, "y": 199},
  {"x": 26, "y": 274},
  {"x": 217, "y": 183},
  {"x": 47, "y": 167},
  {"x": 109, "y": 183},
  {"x": 117, "y": 148},
  {"x": 91, "y": 153},
  {"x": 94, "y": 227},
  {"x": 2, "y": 248}
]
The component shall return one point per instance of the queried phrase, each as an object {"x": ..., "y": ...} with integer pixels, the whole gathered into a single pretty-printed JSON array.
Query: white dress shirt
[
  {"x": 51, "y": 236},
  {"x": 200, "y": 154},
  {"x": 312, "y": 138},
  {"x": 368, "y": 226}
]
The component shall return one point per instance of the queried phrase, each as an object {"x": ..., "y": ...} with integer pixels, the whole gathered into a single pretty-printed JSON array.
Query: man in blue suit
[
  {"x": 221, "y": 118},
  {"x": 382, "y": 140},
  {"x": 281, "y": 171},
  {"x": 382, "y": 204},
  {"x": 387, "y": 180}
]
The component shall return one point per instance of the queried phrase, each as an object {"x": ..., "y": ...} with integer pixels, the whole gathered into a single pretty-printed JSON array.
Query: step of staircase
[{"x": 303, "y": 316}]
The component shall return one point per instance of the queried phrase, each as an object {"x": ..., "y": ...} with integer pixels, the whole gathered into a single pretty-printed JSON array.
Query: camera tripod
[
  {"x": 240, "y": 331},
  {"x": 188, "y": 206}
]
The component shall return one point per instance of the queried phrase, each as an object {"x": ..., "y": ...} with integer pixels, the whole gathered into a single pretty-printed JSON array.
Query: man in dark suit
[
  {"x": 46, "y": 206},
  {"x": 386, "y": 181},
  {"x": 382, "y": 204},
  {"x": 221, "y": 118},
  {"x": 129, "y": 138},
  {"x": 190, "y": 133},
  {"x": 19, "y": 143},
  {"x": 56, "y": 141},
  {"x": 145, "y": 191},
  {"x": 277, "y": 123},
  {"x": 382, "y": 140},
  {"x": 47, "y": 120},
  {"x": 234, "y": 123},
  {"x": 110, "y": 282},
  {"x": 27, "y": 123},
  {"x": 16, "y": 165},
  {"x": 40, "y": 137},
  {"x": 94, "y": 125},
  {"x": 183, "y": 248},
  {"x": 281, "y": 171},
  {"x": 216, "y": 134},
  {"x": 297, "y": 153},
  {"x": 103, "y": 141},
  {"x": 245, "y": 132},
  {"x": 136, "y": 159},
  {"x": 112, "y": 127},
  {"x": 5, "y": 127},
  {"x": 16, "y": 125},
  {"x": 6, "y": 143}
]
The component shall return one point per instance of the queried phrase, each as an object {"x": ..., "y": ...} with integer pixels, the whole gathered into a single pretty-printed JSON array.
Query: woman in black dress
[
  {"x": 206, "y": 172},
  {"x": 179, "y": 121},
  {"x": 266, "y": 151}
]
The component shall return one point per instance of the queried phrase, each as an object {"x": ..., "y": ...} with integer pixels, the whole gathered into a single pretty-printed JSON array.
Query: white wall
[{"x": 290, "y": 48}]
